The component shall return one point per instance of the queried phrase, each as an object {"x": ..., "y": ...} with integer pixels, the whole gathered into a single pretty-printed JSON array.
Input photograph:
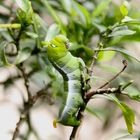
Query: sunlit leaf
[
  {"x": 128, "y": 113},
  {"x": 106, "y": 56},
  {"x": 124, "y": 8},
  {"x": 122, "y": 51}
]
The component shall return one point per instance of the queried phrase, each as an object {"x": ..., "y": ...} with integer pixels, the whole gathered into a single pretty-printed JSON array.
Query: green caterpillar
[{"x": 73, "y": 71}]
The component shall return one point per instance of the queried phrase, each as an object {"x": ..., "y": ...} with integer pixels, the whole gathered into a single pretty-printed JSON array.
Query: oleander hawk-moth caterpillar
[{"x": 73, "y": 72}]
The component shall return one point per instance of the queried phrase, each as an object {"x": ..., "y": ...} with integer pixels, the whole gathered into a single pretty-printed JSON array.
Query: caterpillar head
[{"x": 57, "y": 47}]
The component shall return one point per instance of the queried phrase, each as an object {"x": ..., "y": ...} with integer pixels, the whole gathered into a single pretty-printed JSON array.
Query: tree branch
[
  {"x": 89, "y": 95},
  {"x": 26, "y": 82},
  {"x": 114, "y": 77},
  {"x": 26, "y": 110},
  {"x": 99, "y": 46}
]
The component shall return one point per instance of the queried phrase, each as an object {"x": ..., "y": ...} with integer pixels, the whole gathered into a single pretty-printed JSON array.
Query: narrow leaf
[
  {"x": 67, "y": 5},
  {"x": 104, "y": 4},
  {"x": 122, "y": 33},
  {"x": 124, "y": 8},
  {"x": 23, "y": 54},
  {"x": 136, "y": 135},
  {"x": 53, "y": 30},
  {"x": 128, "y": 113},
  {"x": 3, "y": 59},
  {"x": 122, "y": 51},
  {"x": 133, "y": 93},
  {"x": 106, "y": 56},
  {"x": 94, "y": 112},
  {"x": 31, "y": 34},
  {"x": 83, "y": 13},
  {"x": 54, "y": 15},
  {"x": 23, "y": 4}
]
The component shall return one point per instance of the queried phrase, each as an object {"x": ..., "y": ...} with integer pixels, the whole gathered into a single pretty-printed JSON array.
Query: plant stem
[
  {"x": 89, "y": 95},
  {"x": 15, "y": 25},
  {"x": 114, "y": 77}
]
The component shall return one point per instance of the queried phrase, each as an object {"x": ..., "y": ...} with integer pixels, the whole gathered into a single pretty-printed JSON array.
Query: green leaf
[
  {"x": 25, "y": 14},
  {"x": 104, "y": 4},
  {"x": 67, "y": 5},
  {"x": 23, "y": 55},
  {"x": 6, "y": 35},
  {"x": 54, "y": 15},
  {"x": 129, "y": 117},
  {"x": 52, "y": 32},
  {"x": 101, "y": 28},
  {"x": 23, "y": 4},
  {"x": 94, "y": 112},
  {"x": 133, "y": 93},
  {"x": 128, "y": 113},
  {"x": 40, "y": 22},
  {"x": 105, "y": 56},
  {"x": 121, "y": 31},
  {"x": 82, "y": 12},
  {"x": 52, "y": 11},
  {"x": 31, "y": 34},
  {"x": 129, "y": 19},
  {"x": 85, "y": 52},
  {"x": 124, "y": 8},
  {"x": 122, "y": 51},
  {"x": 136, "y": 135},
  {"x": 3, "y": 59}
]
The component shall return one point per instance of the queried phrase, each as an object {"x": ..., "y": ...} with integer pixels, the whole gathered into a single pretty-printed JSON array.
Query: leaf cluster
[{"x": 92, "y": 26}]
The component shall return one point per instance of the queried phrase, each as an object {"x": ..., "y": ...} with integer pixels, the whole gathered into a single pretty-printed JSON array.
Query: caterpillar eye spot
[{"x": 53, "y": 45}]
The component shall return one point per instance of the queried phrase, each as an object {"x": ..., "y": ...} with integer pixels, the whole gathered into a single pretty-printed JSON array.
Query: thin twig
[
  {"x": 101, "y": 91},
  {"x": 26, "y": 110},
  {"x": 99, "y": 46},
  {"x": 114, "y": 77},
  {"x": 21, "y": 120},
  {"x": 26, "y": 82},
  {"x": 75, "y": 129},
  {"x": 88, "y": 96}
]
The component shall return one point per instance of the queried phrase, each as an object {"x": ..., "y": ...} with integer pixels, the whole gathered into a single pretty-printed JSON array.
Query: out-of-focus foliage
[{"x": 88, "y": 24}]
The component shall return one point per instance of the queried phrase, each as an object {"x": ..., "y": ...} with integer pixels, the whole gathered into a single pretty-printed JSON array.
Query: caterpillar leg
[{"x": 68, "y": 117}]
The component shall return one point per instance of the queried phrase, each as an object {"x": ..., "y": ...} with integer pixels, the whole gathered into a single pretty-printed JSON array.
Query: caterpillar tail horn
[{"x": 55, "y": 123}]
